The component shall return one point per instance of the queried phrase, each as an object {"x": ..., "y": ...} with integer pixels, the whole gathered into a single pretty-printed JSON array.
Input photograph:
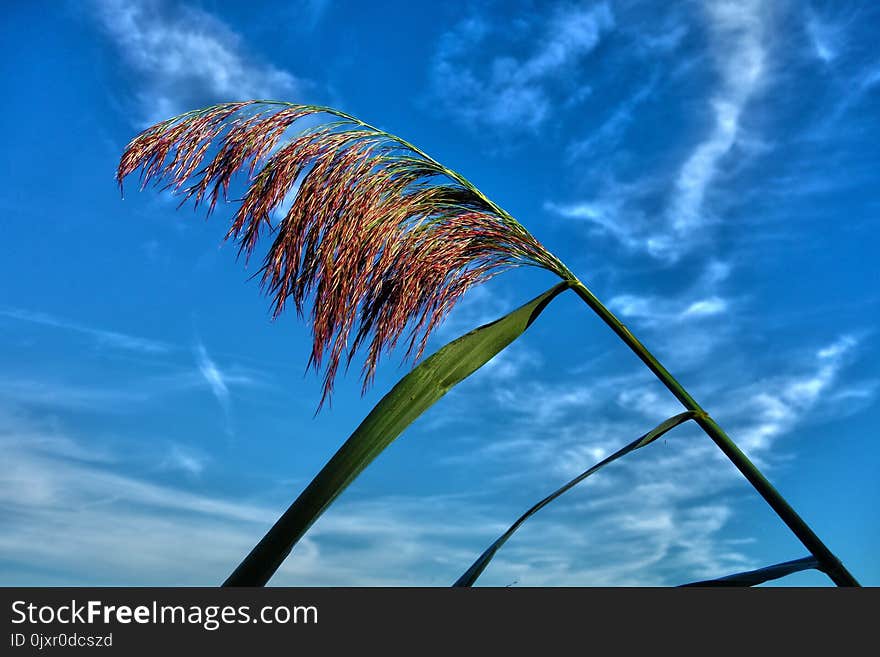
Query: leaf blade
[
  {"x": 471, "y": 574},
  {"x": 761, "y": 575},
  {"x": 407, "y": 400}
]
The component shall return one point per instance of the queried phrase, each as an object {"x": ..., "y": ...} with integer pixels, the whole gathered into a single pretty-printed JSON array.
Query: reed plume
[{"x": 380, "y": 237}]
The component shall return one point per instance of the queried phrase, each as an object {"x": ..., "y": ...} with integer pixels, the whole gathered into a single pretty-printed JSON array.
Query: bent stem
[{"x": 831, "y": 565}]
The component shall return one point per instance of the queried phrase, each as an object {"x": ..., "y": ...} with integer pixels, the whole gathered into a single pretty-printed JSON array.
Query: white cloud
[
  {"x": 98, "y": 526},
  {"x": 102, "y": 336},
  {"x": 739, "y": 47},
  {"x": 655, "y": 311},
  {"x": 65, "y": 395},
  {"x": 705, "y": 308},
  {"x": 185, "y": 459},
  {"x": 213, "y": 376},
  {"x": 780, "y": 404},
  {"x": 216, "y": 380},
  {"x": 122, "y": 396},
  {"x": 739, "y": 36},
  {"x": 665, "y": 40},
  {"x": 188, "y": 58},
  {"x": 650, "y": 401},
  {"x": 74, "y": 521},
  {"x": 546, "y": 403},
  {"x": 828, "y": 28},
  {"x": 575, "y": 32},
  {"x": 687, "y": 326},
  {"x": 515, "y": 92},
  {"x": 822, "y": 36},
  {"x": 716, "y": 272},
  {"x": 94, "y": 525},
  {"x": 611, "y": 131},
  {"x": 836, "y": 350},
  {"x": 607, "y": 214}
]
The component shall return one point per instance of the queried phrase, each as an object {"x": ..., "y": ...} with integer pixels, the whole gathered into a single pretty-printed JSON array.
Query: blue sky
[{"x": 708, "y": 168}]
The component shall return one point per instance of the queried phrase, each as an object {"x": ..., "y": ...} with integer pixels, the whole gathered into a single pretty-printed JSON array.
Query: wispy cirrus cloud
[
  {"x": 759, "y": 412},
  {"x": 65, "y": 395},
  {"x": 657, "y": 310},
  {"x": 215, "y": 379},
  {"x": 780, "y": 404},
  {"x": 77, "y": 512},
  {"x": 83, "y": 394},
  {"x": 102, "y": 337},
  {"x": 516, "y": 92},
  {"x": 219, "y": 381},
  {"x": 97, "y": 524},
  {"x": 829, "y": 28},
  {"x": 183, "y": 458},
  {"x": 739, "y": 49},
  {"x": 822, "y": 37},
  {"x": 739, "y": 36},
  {"x": 610, "y": 214},
  {"x": 613, "y": 128},
  {"x": 71, "y": 393},
  {"x": 188, "y": 58},
  {"x": 689, "y": 324}
]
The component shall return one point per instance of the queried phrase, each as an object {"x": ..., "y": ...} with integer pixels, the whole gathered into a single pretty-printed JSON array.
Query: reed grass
[{"x": 381, "y": 241}]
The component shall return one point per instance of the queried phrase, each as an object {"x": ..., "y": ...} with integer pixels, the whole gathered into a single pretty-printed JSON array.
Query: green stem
[{"x": 830, "y": 563}]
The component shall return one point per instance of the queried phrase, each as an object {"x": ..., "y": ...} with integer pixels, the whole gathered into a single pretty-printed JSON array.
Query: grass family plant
[{"x": 376, "y": 241}]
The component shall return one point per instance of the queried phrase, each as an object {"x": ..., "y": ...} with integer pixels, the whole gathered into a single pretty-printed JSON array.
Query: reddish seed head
[{"x": 383, "y": 240}]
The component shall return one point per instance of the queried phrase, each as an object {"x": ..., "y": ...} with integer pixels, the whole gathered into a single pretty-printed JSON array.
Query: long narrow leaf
[
  {"x": 412, "y": 396},
  {"x": 761, "y": 575},
  {"x": 470, "y": 576}
]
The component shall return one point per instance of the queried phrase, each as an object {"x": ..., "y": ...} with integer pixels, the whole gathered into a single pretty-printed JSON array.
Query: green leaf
[
  {"x": 761, "y": 575},
  {"x": 412, "y": 396},
  {"x": 471, "y": 574}
]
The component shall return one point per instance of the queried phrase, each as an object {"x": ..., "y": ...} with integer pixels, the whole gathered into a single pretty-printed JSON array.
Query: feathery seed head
[{"x": 382, "y": 238}]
